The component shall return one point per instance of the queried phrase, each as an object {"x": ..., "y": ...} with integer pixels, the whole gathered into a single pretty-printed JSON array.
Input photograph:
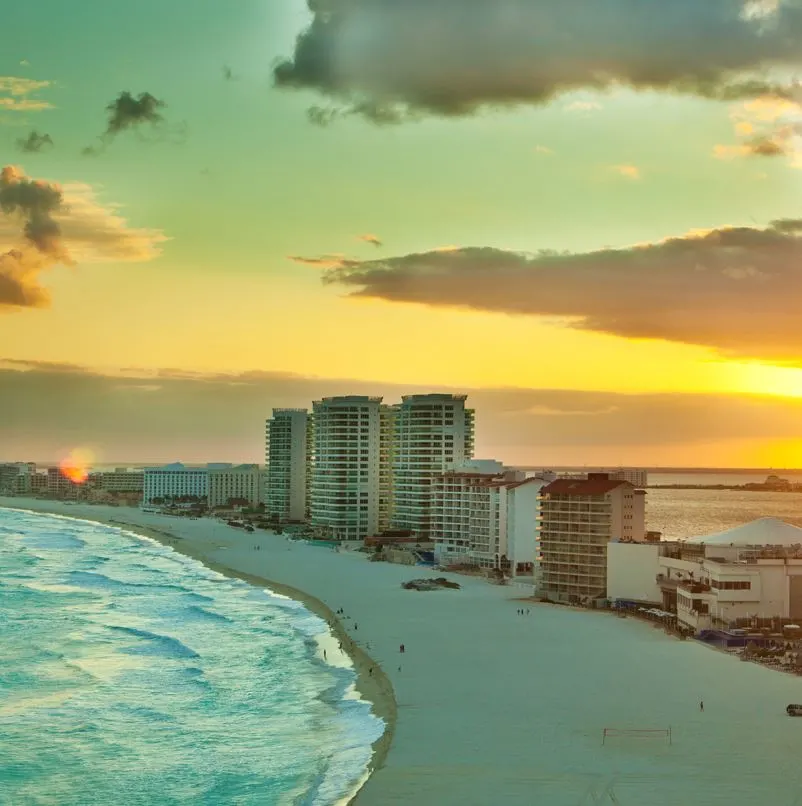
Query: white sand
[{"x": 497, "y": 708}]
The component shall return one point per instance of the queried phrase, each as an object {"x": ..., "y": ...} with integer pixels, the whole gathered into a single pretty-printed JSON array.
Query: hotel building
[
  {"x": 175, "y": 481},
  {"x": 578, "y": 519},
  {"x": 288, "y": 453},
  {"x": 734, "y": 578},
  {"x": 241, "y": 484},
  {"x": 15, "y": 477},
  {"x": 486, "y": 515},
  {"x": 120, "y": 480},
  {"x": 432, "y": 433},
  {"x": 346, "y": 488}
]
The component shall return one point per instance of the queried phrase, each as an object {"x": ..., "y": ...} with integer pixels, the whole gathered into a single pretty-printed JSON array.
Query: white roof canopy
[{"x": 762, "y": 532}]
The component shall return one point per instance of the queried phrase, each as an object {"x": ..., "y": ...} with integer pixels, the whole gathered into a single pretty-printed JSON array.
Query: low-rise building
[
  {"x": 60, "y": 486},
  {"x": 174, "y": 482},
  {"x": 15, "y": 477},
  {"x": 636, "y": 476},
  {"x": 578, "y": 519},
  {"x": 119, "y": 480},
  {"x": 752, "y": 572},
  {"x": 238, "y": 485}
]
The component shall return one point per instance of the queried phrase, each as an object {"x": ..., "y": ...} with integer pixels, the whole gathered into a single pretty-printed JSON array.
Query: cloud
[
  {"x": 14, "y": 92},
  {"x": 196, "y": 416},
  {"x": 128, "y": 112},
  {"x": 60, "y": 224},
  {"x": 769, "y": 126},
  {"x": 628, "y": 171},
  {"x": 391, "y": 61},
  {"x": 374, "y": 239},
  {"x": 320, "y": 261},
  {"x": 34, "y": 142},
  {"x": 735, "y": 289}
]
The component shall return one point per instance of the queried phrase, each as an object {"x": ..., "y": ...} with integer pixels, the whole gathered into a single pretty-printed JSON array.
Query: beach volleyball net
[{"x": 662, "y": 734}]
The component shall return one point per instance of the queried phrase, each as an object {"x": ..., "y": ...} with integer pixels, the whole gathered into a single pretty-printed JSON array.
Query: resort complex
[{"x": 400, "y": 480}]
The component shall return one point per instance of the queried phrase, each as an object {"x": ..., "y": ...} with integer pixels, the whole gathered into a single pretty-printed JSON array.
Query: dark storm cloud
[
  {"x": 388, "y": 60},
  {"x": 172, "y": 414},
  {"x": 128, "y": 112},
  {"x": 34, "y": 142},
  {"x": 33, "y": 203},
  {"x": 735, "y": 289}
]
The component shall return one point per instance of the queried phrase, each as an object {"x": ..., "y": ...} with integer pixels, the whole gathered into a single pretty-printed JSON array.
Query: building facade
[
  {"x": 239, "y": 485},
  {"x": 636, "y": 476},
  {"x": 120, "y": 480},
  {"x": 288, "y": 462},
  {"x": 456, "y": 494},
  {"x": 578, "y": 519},
  {"x": 174, "y": 481},
  {"x": 346, "y": 485},
  {"x": 432, "y": 433},
  {"x": 15, "y": 477},
  {"x": 486, "y": 515},
  {"x": 734, "y": 579},
  {"x": 59, "y": 486}
]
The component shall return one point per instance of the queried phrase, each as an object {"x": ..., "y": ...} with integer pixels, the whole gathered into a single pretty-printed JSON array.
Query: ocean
[
  {"x": 131, "y": 674},
  {"x": 680, "y": 514}
]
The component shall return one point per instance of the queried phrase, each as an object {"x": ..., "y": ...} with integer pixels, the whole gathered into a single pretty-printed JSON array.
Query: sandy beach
[{"x": 487, "y": 706}]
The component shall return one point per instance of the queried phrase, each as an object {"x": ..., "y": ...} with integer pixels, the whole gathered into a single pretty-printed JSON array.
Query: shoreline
[
  {"x": 496, "y": 706},
  {"x": 376, "y": 689}
]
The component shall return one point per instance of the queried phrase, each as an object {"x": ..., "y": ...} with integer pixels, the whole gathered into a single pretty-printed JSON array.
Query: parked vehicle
[{"x": 794, "y": 710}]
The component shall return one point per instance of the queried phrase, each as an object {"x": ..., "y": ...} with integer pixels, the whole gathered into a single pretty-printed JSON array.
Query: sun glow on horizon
[{"x": 75, "y": 466}]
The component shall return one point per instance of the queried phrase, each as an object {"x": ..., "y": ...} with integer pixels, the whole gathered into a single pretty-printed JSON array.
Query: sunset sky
[{"x": 586, "y": 215}]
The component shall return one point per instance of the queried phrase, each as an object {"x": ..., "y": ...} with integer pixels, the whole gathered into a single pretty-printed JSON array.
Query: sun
[{"x": 75, "y": 466}]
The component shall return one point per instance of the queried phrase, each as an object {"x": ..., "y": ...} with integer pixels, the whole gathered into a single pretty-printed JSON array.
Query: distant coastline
[{"x": 749, "y": 488}]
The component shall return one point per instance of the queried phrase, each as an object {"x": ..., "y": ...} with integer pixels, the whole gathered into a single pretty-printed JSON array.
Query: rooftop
[
  {"x": 592, "y": 486},
  {"x": 761, "y": 532}
]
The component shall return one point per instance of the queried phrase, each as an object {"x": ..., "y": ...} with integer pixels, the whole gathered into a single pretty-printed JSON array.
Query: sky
[{"x": 584, "y": 215}]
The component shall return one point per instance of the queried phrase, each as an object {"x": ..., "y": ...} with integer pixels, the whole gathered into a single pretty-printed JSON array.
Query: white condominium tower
[
  {"x": 347, "y": 478},
  {"x": 288, "y": 445},
  {"x": 433, "y": 433}
]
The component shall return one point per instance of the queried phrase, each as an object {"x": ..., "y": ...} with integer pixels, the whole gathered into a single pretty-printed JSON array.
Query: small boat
[{"x": 794, "y": 710}]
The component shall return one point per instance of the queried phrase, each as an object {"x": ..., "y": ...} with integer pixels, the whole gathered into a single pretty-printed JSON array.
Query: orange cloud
[
  {"x": 75, "y": 227},
  {"x": 374, "y": 239},
  {"x": 14, "y": 92}
]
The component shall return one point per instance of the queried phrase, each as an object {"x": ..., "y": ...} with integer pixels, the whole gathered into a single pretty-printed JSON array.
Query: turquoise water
[{"x": 130, "y": 674}]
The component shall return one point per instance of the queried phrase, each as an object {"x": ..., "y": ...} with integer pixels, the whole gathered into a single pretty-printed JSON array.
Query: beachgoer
[
  {"x": 370, "y": 671},
  {"x": 701, "y": 705},
  {"x": 356, "y": 626},
  {"x": 401, "y": 649},
  {"x": 324, "y": 654}
]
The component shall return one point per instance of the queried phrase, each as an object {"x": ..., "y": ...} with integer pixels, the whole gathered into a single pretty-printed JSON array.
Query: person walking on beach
[
  {"x": 701, "y": 705},
  {"x": 401, "y": 649},
  {"x": 370, "y": 671},
  {"x": 356, "y": 626}
]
